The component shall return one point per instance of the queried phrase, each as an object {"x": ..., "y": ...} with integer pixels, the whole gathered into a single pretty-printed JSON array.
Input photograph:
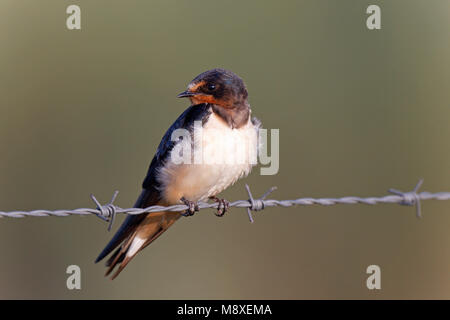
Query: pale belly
[{"x": 225, "y": 156}]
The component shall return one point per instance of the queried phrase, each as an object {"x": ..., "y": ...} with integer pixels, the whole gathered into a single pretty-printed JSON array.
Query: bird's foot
[
  {"x": 193, "y": 207},
  {"x": 223, "y": 205}
]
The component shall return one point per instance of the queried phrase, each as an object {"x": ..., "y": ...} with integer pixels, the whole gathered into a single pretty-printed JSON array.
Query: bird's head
[{"x": 219, "y": 87}]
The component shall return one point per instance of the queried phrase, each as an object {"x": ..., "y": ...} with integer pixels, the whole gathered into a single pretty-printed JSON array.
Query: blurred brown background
[{"x": 359, "y": 112}]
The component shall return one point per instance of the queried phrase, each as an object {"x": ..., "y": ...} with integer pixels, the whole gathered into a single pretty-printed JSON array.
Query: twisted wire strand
[{"x": 107, "y": 212}]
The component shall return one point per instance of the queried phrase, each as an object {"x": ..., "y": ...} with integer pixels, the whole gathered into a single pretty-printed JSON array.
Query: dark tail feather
[
  {"x": 143, "y": 226},
  {"x": 113, "y": 257},
  {"x": 124, "y": 231},
  {"x": 129, "y": 225},
  {"x": 120, "y": 255}
]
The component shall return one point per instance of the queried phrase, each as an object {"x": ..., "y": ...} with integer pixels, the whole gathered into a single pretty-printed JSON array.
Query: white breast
[{"x": 222, "y": 156}]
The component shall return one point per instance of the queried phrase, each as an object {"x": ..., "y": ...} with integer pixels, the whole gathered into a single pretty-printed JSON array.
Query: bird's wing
[
  {"x": 186, "y": 121},
  {"x": 151, "y": 193}
]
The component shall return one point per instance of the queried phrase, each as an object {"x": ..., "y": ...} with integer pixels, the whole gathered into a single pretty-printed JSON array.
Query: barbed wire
[{"x": 109, "y": 211}]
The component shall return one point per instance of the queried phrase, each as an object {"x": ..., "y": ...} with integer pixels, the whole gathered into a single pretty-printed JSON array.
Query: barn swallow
[{"x": 219, "y": 103}]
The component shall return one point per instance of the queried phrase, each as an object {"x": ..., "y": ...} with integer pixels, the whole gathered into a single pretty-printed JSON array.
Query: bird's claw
[
  {"x": 223, "y": 206},
  {"x": 192, "y": 207}
]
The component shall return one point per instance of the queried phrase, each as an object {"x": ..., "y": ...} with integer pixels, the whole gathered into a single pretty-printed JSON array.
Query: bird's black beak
[{"x": 186, "y": 94}]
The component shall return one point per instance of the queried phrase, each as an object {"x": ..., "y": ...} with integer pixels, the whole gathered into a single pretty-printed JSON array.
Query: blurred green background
[{"x": 359, "y": 112}]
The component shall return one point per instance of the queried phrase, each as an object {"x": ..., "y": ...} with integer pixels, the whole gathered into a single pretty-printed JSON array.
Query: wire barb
[
  {"x": 411, "y": 198},
  {"x": 108, "y": 211},
  {"x": 256, "y": 204}
]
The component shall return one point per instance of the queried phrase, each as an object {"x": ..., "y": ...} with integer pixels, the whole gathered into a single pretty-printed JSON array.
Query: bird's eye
[{"x": 211, "y": 87}]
